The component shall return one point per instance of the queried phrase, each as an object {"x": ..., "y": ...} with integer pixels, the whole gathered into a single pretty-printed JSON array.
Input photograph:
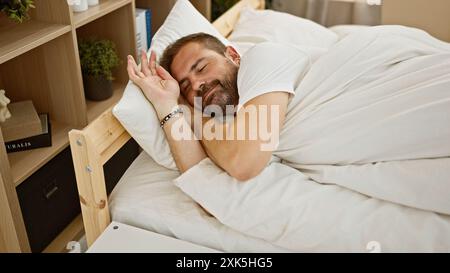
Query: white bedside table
[{"x": 119, "y": 237}]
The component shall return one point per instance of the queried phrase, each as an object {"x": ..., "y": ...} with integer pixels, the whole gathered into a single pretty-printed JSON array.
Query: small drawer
[{"x": 49, "y": 200}]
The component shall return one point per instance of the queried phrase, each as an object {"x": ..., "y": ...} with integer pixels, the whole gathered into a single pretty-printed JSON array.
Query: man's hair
[{"x": 208, "y": 41}]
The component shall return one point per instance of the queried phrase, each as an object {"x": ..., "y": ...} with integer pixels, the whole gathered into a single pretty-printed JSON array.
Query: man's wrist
[{"x": 163, "y": 109}]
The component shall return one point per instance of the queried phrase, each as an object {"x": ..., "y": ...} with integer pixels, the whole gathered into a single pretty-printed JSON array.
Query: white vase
[
  {"x": 78, "y": 5},
  {"x": 92, "y": 2}
]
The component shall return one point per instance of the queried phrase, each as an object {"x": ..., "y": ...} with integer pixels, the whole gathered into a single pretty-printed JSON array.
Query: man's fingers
[
  {"x": 135, "y": 67},
  {"x": 152, "y": 63},
  {"x": 144, "y": 64},
  {"x": 131, "y": 71},
  {"x": 163, "y": 73}
]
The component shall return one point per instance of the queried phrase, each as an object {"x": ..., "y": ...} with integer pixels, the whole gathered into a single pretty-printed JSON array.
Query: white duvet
[
  {"x": 372, "y": 116},
  {"x": 365, "y": 154}
]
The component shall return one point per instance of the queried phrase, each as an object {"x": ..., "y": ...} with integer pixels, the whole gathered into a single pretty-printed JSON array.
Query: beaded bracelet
[{"x": 178, "y": 110}]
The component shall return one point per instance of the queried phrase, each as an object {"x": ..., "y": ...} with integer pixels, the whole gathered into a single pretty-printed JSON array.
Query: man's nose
[{"x": 199, "y": 85}]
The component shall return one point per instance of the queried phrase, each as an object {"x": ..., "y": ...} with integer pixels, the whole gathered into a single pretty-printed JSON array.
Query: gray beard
[{"x": 227, "y": 94}]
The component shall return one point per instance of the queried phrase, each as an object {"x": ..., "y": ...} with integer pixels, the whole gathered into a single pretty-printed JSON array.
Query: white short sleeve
[{"x": 271, "y": 67}]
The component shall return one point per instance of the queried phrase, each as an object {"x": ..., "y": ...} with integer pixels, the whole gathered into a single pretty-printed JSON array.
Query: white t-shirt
[{"x": 271, "y": 67}]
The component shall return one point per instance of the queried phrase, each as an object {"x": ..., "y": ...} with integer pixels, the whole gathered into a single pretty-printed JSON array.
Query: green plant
[
  {"x": 98, "y": 58},
  {"x": 16, "y": 10}
]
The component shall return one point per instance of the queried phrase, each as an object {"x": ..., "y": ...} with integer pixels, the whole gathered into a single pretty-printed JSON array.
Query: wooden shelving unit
[{"x": 39, "y": 61}]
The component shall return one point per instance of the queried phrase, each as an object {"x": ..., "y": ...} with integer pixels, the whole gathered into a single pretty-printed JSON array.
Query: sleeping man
[
  {"x": 376, "y": 104},
  {"x": 200, "y": 66}
]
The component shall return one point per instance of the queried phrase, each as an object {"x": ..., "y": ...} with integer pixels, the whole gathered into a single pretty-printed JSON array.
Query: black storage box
[{"x": 49, "y": 198}]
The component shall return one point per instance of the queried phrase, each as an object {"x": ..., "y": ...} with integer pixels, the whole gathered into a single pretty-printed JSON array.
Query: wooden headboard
[{"x": 93, "y": 146}]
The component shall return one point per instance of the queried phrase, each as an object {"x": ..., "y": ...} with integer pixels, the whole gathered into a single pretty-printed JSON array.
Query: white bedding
[
  {"x": 370, "y": 122},
  {"x": 146, "y": 197}
]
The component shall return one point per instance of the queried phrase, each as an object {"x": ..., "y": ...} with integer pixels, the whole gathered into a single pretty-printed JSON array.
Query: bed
[{"x": 305, "y": 216}]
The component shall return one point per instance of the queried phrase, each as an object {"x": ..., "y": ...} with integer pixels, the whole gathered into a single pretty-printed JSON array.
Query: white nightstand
[{"x": 119, "y": 237}]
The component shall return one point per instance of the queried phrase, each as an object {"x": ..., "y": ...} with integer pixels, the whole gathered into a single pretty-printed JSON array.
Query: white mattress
[{"x": 146, "y": 197}]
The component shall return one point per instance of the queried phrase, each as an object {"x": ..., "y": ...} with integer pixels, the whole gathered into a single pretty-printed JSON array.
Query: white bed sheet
[{"x": 146, "y": 197}]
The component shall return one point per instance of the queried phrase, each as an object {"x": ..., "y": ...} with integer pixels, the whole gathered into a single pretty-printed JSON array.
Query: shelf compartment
[
  {"x": 49, "y": 76},
  {"x": 17, "y": 39},
  {"x": 96, "y": 108},
  {"x": 23, "y": 164},
  {"x": 109, "y": 27},
  {"x": 95, "y": 12}
]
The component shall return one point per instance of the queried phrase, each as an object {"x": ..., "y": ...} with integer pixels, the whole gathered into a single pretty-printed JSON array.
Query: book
[
  {"x": 44, "y": 139},
  {"x": 24, "y": 121},
  {"x": 141, "y": 32},
  {"x": 148, "y": 16}
]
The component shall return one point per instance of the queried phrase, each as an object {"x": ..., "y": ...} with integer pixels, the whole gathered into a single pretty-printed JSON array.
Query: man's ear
[{"x": 233, "y": 55}]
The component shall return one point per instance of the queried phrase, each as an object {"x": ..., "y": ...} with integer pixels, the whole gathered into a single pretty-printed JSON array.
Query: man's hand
[{"x": 160, "y": 88}]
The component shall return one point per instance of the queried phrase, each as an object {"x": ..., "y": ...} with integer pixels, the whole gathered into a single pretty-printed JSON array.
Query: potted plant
[
  {"x": 98, "y": 58},
  {"x": 16, "y": 10}
]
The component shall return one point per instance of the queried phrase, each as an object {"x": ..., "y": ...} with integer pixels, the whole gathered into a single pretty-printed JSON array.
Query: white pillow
[
  {"x": 255, "y": 26},
  {"x": 183, "y": 19},
  {"x": 134, "y": 111}
]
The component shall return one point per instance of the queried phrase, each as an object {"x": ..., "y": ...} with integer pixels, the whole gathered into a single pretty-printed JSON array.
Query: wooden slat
[
  {"x": 91, "y": 185},
  {"x": 104, "y": 131},
  {"x": 115, "y": 146}
]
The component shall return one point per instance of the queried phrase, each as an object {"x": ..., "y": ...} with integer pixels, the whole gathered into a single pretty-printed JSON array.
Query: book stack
[
  {"x": 43, "y": 139},
  {"x": 143, "y": 30},
  {"x": 25, "y": 130}
]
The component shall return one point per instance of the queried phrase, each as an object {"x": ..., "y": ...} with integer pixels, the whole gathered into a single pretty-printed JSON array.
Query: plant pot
[{"x": 97, "y": 88}]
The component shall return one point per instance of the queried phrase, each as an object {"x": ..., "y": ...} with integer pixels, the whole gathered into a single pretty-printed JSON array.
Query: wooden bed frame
[{"x": 93, "y": 146}]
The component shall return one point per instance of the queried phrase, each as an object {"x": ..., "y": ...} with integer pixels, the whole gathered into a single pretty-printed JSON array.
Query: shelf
[
  {"x": 95, "y": 108},
  {"x": 94, "y": 12},
  {"x": 24, "y": 164},
  {"x": 16, "y": 39}
]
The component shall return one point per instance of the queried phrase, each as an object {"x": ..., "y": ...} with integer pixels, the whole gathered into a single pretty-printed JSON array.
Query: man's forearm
[
  {"x": 245, "y": 148},
  {"x": 187, "y": 151}
]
